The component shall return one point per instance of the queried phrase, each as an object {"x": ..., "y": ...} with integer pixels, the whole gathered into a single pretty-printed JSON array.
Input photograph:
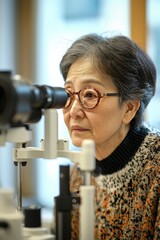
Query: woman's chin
[{"x": 77, "y": 142}]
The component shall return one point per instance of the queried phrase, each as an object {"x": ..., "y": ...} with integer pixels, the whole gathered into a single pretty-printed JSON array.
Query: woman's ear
[{"x": 132, "y": 107}]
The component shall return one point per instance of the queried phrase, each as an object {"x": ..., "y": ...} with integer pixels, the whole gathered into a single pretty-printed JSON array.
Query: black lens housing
[{"x": 22, "y": 103}]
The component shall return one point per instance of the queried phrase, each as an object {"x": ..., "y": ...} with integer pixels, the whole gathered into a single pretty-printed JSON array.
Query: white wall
[{"x": 7, "y": 62}]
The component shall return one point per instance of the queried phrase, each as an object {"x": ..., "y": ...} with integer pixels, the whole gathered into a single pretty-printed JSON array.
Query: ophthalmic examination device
[{"x": 22, "y": 104}]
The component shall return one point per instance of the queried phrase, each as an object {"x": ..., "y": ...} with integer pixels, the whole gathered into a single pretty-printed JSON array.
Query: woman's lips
[{"x": 78, "y": 129}]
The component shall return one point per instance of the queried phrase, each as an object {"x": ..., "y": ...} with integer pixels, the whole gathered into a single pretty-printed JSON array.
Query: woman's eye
[{"x": 90, "y": 94}]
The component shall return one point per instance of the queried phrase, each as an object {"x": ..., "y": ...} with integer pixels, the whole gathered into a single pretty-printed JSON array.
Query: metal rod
[
  {"x": 19, "y": 186},
  {"x": 87, "y": 178}
]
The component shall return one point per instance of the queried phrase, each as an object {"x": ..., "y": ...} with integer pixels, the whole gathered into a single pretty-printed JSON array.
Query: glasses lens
[
  {"x": 68, "y": 100},
  {"x": 89, "y": 98}
]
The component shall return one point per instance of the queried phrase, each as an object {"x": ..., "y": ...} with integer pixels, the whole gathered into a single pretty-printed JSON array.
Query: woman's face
[{"x": 106, "y": 124}]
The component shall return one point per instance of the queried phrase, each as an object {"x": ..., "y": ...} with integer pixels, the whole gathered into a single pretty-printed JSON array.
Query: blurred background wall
[{"x": 34, "y": 34}]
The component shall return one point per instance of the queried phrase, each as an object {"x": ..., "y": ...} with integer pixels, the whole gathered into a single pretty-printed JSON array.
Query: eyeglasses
[{"x": 89, "y": 98}]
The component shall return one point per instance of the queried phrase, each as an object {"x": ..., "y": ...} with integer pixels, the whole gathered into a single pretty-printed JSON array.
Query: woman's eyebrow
[
  {"x": 87, "y": 81},
  {"x": 68, "y": 82}
]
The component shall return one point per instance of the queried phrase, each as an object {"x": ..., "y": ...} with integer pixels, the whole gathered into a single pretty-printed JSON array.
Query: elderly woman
[{"x": 110, "y": 82}]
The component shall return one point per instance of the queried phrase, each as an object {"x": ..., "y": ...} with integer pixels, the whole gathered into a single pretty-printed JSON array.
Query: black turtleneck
[{"x": 123, "y": 153}]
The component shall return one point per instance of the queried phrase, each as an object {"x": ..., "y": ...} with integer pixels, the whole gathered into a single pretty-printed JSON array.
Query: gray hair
[{"x": 131, "y": 69}]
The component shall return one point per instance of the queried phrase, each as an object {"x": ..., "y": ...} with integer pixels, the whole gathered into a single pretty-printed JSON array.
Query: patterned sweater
[{"x": 127, "y": 185}]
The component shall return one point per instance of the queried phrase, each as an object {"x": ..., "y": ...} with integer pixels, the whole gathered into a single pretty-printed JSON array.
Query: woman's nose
[{"x": 76, "y": 108}]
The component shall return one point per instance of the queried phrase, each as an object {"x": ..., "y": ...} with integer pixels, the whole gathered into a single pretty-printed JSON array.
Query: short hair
[{"x": 131, "y": 69}]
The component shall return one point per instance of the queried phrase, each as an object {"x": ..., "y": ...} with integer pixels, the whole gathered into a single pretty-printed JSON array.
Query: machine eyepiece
[{"x": 23, "y": 103}]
